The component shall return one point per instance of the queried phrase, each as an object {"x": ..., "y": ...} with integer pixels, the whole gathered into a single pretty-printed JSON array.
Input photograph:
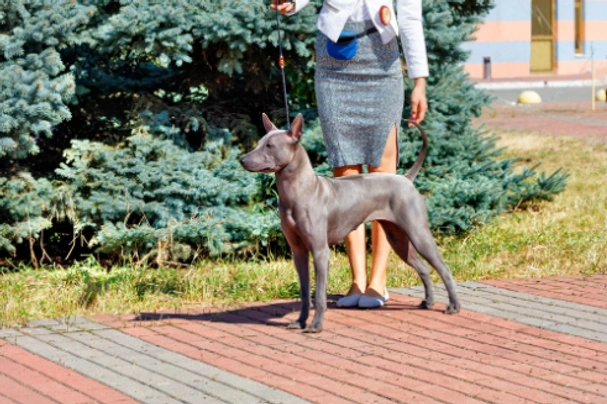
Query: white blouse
[
  {"x": 359, "y": 14},
  {"x": 407, "y": 21}
]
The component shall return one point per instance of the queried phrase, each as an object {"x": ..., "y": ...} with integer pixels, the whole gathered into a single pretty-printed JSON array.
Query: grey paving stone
[
  {"x": 584, "y": 333},
  {"x": 126, "y": 385},
  {"x": 43, "y": 323},
  {"x": 170, "y": 370},
  {"x": 229, "y": 380},
  {"x": 527, "y": 296},
  {"x": 579, "y": 310},
  {"x": 91, "y": 325},
  {"x": 36, "y": 330},
  {"x": 520, "y": 308},
  {"x": 551, "y": 314},
  {"x": 9, "y": 332},
  {"x": 62, "y": 328},
  {"x": 143, "y": 371},
  {"x": 128, "y": 367},
  {"x": 540, "y": 309}
]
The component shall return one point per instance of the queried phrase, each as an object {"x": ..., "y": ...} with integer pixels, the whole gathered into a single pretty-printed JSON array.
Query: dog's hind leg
[
  {"x": 422, "y": 240},
  {"x": 401, "y": 245},
  {"x": 413, "y": 220}
]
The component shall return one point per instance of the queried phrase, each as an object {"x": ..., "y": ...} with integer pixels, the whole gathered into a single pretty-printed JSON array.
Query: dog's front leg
[
  {"x": 321, "y": 271},
  {"x": 302, "y": 264}
]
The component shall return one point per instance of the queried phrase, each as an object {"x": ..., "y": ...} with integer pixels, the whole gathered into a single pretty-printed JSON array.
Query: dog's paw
[
  {"x": 295, "y": 325},
  {"x": 425, "y": 304},
  {"x": 313, "y": 328},
  {"x": 452, "y": 308}
]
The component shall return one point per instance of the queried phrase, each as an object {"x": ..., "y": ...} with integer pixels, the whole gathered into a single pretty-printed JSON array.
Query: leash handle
[{"x": 281, "y": 63}]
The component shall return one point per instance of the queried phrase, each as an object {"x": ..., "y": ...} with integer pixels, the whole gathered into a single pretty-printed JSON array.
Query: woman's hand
[
  {"x": 419, "y": 102},
  {"x": 283, "y": 6}
]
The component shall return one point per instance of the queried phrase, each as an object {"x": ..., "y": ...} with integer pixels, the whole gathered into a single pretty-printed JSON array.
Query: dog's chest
[
  {"x": 288, "y": 219},
  {"x": 294, "y": 218}
]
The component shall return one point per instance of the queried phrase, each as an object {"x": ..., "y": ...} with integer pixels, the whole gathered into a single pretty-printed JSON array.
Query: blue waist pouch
[{"x": 346, "y": 46}]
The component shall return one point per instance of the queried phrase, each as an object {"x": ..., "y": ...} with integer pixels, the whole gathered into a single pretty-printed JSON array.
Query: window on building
[{"x": 579, "y": 26}]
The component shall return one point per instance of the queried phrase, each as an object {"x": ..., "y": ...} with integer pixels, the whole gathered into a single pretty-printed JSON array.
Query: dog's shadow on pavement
[{"x": 270, "y": 314}]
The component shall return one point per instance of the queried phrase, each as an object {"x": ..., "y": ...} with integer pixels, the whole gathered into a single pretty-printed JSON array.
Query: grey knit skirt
[{"x": 359, "y": 100}]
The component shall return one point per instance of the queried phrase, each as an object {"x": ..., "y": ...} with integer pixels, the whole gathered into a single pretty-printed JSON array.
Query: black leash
[{"x": 281, "y": 62}]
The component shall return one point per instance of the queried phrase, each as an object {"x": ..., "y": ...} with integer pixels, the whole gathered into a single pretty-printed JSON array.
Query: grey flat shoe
[
  {"x": 349, "y": 301},
  {"x": 372, "y": 302}
]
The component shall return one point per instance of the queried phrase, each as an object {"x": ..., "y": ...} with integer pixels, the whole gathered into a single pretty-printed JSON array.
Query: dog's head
[{"x": 276, "y": 149}]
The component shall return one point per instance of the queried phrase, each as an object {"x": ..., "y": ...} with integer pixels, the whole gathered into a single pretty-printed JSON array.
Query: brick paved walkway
[
  {"x": 516, "y": 341},
  {"x": 556, "y": 118}
]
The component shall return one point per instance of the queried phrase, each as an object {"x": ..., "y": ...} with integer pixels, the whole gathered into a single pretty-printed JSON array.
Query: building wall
[
  {"x": 505, "y": 37},
  {"x": 595, "y": 44}
]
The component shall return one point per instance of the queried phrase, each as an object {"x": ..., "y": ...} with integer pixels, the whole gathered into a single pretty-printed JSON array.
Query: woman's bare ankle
[
  {"x": 355, "y": 290},
  {"x": 375, "y": 292}
]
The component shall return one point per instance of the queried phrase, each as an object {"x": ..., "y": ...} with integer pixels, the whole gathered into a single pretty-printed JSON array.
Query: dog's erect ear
[
  {"x": 297, "y": 127},
  {"x": 268, "y": 124}
]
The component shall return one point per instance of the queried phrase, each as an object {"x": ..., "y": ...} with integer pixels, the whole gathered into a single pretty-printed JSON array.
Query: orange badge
[{"x": 385, "y": 15}]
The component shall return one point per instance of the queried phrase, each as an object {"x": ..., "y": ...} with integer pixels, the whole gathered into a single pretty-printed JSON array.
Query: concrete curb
[{"x": 521, "y": 85}]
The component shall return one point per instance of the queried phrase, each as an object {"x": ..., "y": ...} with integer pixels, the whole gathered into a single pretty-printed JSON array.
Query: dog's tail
[{"x": 422, "y": 154}]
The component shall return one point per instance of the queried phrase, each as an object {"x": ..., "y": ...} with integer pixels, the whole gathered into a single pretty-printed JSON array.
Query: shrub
[{"x": 150, "y": 198}]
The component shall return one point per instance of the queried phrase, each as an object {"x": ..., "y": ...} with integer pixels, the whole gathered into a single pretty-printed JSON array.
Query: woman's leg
[
  {"x": 355, "y": 243},
  {"x": 376, "y": 287}
]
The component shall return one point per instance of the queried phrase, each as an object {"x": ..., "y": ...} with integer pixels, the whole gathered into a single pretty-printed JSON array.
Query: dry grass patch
[{"x": 563, "y": 237}]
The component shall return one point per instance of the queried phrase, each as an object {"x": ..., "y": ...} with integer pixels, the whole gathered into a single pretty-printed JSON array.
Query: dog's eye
[{"x": 269, "y": 146}]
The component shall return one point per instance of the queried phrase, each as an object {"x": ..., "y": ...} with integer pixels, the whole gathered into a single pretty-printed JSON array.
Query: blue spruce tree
[
  {"x": 122, "y": 121},
  {"x": 34, "y": 91}
]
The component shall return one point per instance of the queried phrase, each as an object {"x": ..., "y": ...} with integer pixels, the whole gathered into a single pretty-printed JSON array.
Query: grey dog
[{"x": 317, "y": 212}]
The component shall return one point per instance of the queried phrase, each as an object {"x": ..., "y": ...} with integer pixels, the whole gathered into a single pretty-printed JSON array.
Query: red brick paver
[
  {"x": 589, "y": 290},
  {"x": 29, "y": 379},
  {"x": 396, "y": 354}
]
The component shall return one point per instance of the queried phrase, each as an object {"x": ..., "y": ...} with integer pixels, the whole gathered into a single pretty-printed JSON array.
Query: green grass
[{"x": 565, "y": 236}]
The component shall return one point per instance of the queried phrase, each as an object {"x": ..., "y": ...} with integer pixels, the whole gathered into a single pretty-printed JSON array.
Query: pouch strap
[{"x": 347, "y": 39}]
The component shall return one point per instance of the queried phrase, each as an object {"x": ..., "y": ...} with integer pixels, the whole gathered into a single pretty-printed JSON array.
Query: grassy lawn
[{"x": 565, "y": 236}]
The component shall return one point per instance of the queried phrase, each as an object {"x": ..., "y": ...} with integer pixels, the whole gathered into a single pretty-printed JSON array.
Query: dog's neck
[{"x": 297, "y": 177}]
